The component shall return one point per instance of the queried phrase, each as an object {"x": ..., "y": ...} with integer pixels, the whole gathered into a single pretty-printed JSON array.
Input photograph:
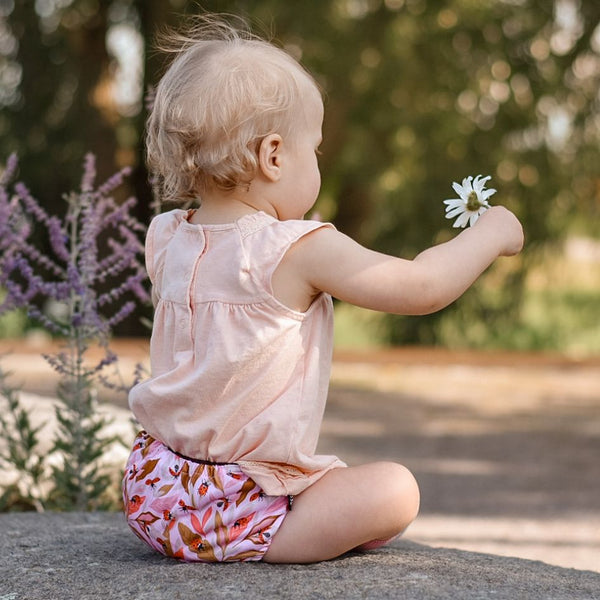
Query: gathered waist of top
[
  {"x": 290, "y": 497},
  {"x": 201, "y": 461}
]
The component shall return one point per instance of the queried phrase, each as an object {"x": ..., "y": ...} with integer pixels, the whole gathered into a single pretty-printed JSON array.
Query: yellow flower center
[{"x": 473, "y": 202}]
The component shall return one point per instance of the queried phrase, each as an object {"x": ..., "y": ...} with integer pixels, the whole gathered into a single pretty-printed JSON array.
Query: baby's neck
[{"x": 226, "y": 207}]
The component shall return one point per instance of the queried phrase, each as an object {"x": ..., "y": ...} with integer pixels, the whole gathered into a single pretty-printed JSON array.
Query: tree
[
  {"x": 57, "y": 110},
  {"x": 418, "y": 94}
]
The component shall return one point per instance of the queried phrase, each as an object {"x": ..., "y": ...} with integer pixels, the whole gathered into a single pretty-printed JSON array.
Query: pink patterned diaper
[{"x": 195, "y": 511}]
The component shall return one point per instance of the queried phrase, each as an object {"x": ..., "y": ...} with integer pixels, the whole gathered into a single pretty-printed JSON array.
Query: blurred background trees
[{"x": 418, "y": 94}]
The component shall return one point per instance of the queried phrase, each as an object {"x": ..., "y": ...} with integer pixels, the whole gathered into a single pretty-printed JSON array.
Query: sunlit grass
[
  {"x": 565, "y": 321},
  {"x": 357, "y": 328},
  {"x": 562, "y": 320}
]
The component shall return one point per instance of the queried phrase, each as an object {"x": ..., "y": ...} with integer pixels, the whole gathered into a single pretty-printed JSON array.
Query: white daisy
[{"x": 471, "y": 203}]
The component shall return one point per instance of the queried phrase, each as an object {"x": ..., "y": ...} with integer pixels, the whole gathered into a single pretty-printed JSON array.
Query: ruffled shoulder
[{"x": 161, "y": 230}]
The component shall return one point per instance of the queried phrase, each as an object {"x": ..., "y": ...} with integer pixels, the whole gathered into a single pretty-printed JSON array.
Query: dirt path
[{"x": 506, "y": 448}]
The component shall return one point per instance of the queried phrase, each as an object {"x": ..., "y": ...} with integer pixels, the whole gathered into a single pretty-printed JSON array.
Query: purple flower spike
[
  {"x": 9, "y": 170},
  {"x": 89, "y": 173},
  {"x": 97, "y": 242}
]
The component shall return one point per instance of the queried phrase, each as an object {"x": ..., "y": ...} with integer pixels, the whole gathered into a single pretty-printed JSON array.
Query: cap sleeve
[
  {"x": 270, "y": 246},
  {"x": 161, "y": 230}
]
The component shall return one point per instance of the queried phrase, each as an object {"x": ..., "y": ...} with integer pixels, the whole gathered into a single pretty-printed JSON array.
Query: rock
[{"x": 84, "y": 556}]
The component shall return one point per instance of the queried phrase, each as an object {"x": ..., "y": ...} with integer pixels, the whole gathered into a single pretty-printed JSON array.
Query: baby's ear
[{"x": 269, "y": 157}]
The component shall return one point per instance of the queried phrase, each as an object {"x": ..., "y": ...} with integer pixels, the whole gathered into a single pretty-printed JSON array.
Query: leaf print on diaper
[
  {"x": 197, "y": 512},
  {"x": 168, "y": 547},
  {"x": 216, "y": 479},
  {"x": 185, "y": 476},
  {"x": 164, "y": 489},
  {"x": 196, "y": 543},
  {"x": 221, "y": 532},
  {"x": 199, "y": 527},
  {"x": 160, "y": 505},
  {"x": 260, "y": 533},
  {"x": 144, "y": 442},
  {"x": 146, "y": 449},
  {"x": 148, "y": 467},
  {"x": 246, "y": 555},
  {"x": 145, "y": 519},
  {"x": 198, "y": 471},
  {"x": 248, "y": 486}
]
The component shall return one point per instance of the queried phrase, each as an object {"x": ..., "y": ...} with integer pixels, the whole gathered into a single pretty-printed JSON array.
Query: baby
[{"x": 225, "y": 469}]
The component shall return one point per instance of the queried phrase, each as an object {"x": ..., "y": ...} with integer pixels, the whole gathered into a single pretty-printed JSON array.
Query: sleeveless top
[{"x": 236, "y": 376}]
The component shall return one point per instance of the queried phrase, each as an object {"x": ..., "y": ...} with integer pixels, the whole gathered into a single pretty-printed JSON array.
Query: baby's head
[{"x": 224, "y": 92}]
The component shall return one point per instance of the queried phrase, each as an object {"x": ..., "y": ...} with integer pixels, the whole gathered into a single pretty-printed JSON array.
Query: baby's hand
[{"x": 505, "y": 227}]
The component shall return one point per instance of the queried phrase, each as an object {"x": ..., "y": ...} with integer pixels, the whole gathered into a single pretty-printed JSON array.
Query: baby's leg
[{"x": 346, "y": 508}]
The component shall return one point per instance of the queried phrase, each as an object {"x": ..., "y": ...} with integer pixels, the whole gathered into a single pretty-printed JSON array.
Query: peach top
[{"x": 236, "y": 375}]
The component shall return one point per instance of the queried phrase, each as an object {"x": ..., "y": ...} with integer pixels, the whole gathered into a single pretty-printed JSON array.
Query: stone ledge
[{"x": 81, "y": 556}]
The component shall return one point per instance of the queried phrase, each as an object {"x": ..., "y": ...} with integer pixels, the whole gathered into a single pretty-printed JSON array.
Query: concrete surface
[
  {"x": 90, "y": 556},
  {"x": 505, "y": 447}
]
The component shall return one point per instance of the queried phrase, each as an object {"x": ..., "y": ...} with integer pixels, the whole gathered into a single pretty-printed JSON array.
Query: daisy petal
[
  {"x": 450, "y": 214},
  {"x": 462, "y": 220},
  {"x": 479, "y": 182},
  {"x": 473, "y": 219},
  {"x": 454, "y": 202},
  {"x": 459, "y": 189}
]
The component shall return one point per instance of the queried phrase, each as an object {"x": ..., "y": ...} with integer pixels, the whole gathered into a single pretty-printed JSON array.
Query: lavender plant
[{"x": 95, "y": 244}]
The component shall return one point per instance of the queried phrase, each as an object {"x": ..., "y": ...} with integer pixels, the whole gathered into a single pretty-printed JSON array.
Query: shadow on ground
[{"x": 529, "y": 461}]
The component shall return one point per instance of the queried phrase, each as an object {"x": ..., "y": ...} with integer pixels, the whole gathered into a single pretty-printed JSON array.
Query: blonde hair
[{"x": 225, "y": 90}]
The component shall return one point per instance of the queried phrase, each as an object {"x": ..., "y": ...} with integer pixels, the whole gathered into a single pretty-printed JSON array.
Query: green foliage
[
  {"x": 21, "y": 452},
  {"x": 13, "y": 324},
  {"x": 79, "y": 484},
  {"x": 76, "y": 482},
  {"x": 561, "y": 320},
  {"x": 418, "y": 94}
]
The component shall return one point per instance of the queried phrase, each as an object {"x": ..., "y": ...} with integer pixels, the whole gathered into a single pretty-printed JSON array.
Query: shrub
[{"x": 89, "y": 278}]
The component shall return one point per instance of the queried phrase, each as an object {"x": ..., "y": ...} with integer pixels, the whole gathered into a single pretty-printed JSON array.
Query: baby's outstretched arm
[
  {"x": 332, "y": 262},
  {"x": 326, "y": 260}
]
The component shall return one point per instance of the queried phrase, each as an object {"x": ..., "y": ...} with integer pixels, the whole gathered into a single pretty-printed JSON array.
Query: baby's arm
[{"x": 332, "y": 262}]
